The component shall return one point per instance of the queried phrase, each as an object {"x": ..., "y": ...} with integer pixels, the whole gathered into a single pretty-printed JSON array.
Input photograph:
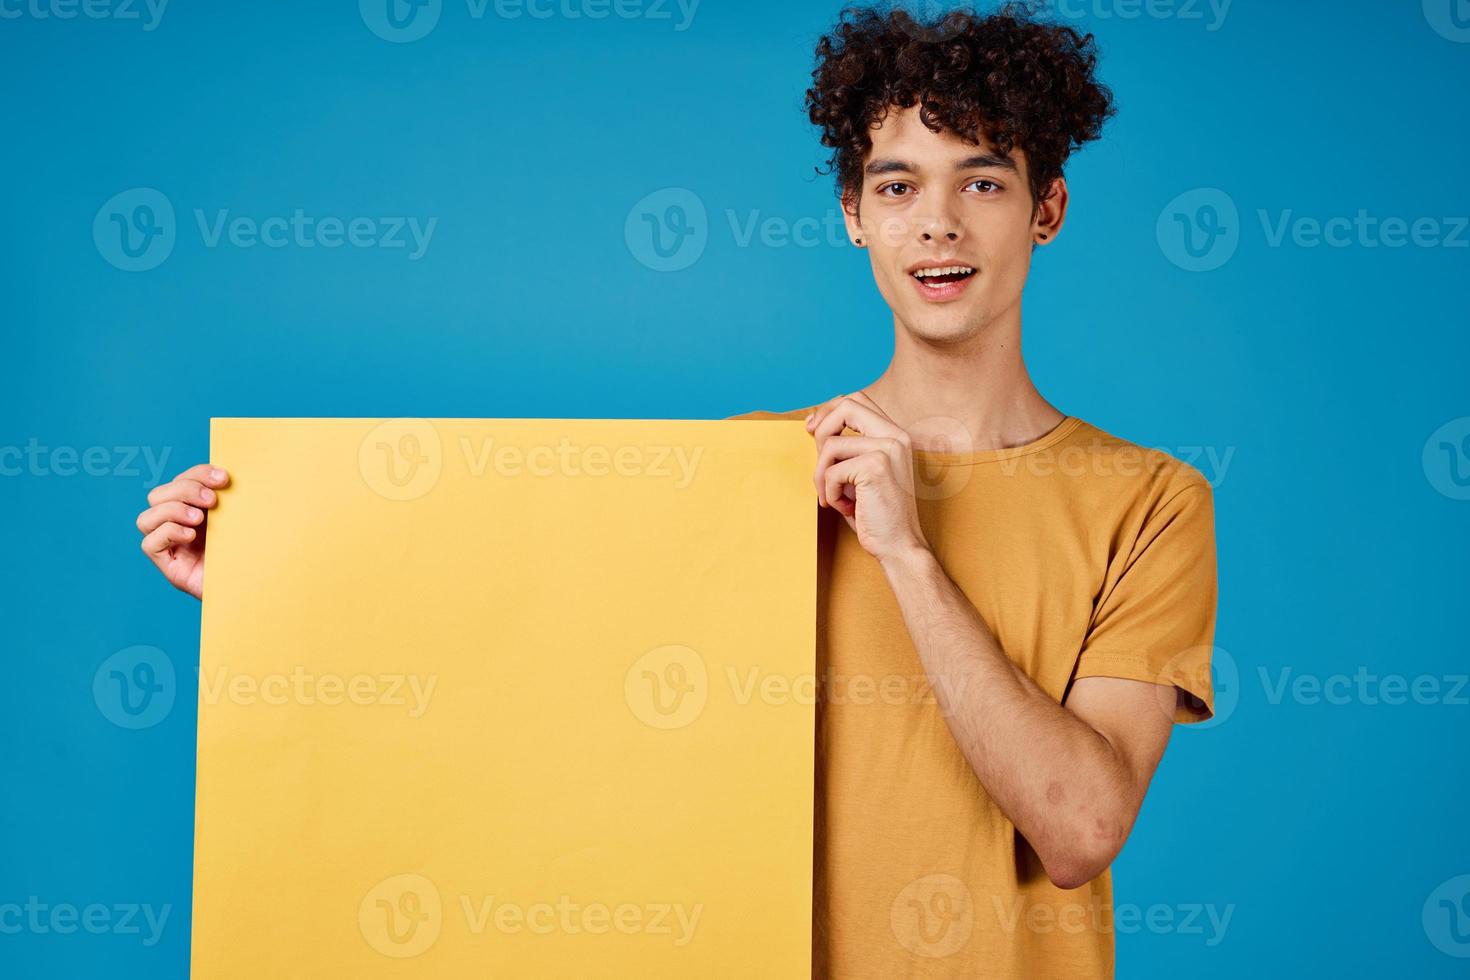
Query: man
[{"x": 1014, "y": 606}]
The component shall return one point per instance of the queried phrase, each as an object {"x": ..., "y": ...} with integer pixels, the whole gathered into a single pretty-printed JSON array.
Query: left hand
[{"x": 867, "y": 478}]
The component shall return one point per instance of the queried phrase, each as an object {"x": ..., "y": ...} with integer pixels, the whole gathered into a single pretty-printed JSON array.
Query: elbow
[
  {"x": 1074, "y": 872},
  {"x": 1073, "y": 866}
]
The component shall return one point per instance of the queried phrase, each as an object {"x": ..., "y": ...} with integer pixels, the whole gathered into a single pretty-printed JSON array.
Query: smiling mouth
[{"x": 943, "y": 275}]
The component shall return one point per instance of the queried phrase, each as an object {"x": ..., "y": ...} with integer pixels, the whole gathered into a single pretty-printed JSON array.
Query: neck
[{"x": 978, "y": 388}]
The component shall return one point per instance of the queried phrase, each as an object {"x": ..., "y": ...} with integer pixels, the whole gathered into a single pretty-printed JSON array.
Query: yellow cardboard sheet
[{"x": 506, "y": 698}]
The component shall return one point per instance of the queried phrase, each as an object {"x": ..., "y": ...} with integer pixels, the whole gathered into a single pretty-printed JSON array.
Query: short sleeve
[{"x": 1156, "y": 622}]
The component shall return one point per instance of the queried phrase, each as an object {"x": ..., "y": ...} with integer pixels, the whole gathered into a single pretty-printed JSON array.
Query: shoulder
[
  {"x": 762, "y": 415},
  {"x": 1151, "y": 477}
]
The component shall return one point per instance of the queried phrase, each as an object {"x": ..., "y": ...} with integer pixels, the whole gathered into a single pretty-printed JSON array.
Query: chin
[{"x": 943, "y": 328}]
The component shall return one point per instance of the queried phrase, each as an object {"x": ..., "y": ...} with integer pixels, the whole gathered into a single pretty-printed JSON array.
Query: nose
[{"x": 938, "y": 223}]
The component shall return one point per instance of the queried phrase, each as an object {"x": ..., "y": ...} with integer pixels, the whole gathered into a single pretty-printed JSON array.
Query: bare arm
[{"x": 1071, "y": 778}]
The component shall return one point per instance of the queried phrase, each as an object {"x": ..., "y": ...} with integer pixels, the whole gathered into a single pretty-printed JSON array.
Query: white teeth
[{"x": 945, "y": 271}]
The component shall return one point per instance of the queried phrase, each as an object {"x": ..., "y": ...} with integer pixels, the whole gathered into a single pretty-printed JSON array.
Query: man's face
[{"x": 930, "y": 202}]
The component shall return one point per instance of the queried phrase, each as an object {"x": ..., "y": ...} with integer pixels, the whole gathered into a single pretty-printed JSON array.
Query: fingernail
[
  {"x": 195, "y": 513},
  {"x": 207, "y": 495},
  {"x": 217, "y": 474}
]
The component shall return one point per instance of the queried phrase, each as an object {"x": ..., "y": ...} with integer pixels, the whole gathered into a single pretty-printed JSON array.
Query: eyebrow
[{"x": 877, "y": 168}]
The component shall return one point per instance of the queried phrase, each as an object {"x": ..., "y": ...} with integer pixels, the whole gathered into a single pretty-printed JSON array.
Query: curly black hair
[{"x": 1009, "y": 76}]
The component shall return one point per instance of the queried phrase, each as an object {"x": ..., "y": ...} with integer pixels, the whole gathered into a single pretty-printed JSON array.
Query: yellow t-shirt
[{"x": 1087, "y": 556}]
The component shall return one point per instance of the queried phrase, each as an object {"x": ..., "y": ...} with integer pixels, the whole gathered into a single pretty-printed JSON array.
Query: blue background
[{"x": 1321, "y": 371}]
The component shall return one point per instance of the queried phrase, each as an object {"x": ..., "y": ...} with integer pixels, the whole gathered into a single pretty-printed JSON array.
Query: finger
[
  {"x": 815, "y": 416},
  {"x": 849, "y": 472},
  {"x": 187, "y": 490},
  {"x": 173, "y": 510},
  {"x": 862, "y": 398},
  {"x": 850, "y": 414},
  {"x": 166, "y": 536},
  {"x": 207, "y": 474},
  {"x": 846, "y": 447}
]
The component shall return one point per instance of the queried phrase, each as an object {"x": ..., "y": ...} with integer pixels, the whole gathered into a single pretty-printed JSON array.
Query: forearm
[{"x": 1055, "y": 777}]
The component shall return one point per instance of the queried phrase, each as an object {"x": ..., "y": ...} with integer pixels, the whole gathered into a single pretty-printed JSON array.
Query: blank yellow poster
[{"x": 506, "y": 698}]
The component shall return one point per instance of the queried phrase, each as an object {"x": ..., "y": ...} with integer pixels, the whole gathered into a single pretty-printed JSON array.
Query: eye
[
  {"x": 986, "y": 186},
  {"x": 893, "y": 186}
]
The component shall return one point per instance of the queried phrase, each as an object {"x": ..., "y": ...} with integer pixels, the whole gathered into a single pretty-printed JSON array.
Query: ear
[
  {"x": 851, "y": 203},
  {"x": 1051, "y": 213}
]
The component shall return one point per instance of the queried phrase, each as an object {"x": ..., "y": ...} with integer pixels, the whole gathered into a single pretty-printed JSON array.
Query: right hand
[{"x": 173, "y": 525}]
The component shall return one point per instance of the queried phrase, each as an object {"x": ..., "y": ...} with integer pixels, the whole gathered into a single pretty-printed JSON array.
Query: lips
[{"x": 941, "y": 282}]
